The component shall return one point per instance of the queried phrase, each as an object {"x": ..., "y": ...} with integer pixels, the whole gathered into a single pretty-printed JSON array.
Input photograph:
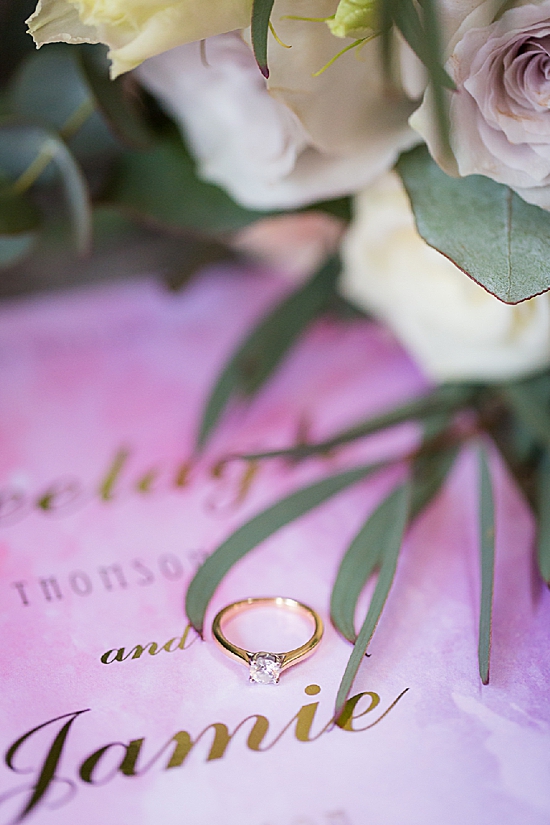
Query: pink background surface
[{"x": 85, "y": 375}]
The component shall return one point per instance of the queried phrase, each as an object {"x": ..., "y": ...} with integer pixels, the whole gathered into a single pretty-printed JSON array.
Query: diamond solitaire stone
[{"x": 265, "y": 668}]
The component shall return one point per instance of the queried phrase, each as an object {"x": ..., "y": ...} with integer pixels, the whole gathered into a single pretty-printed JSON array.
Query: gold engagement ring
[{"x": 265, "y": 668}]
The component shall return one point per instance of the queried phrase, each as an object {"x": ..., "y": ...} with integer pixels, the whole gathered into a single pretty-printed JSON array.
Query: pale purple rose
[{"x": 500, "y": 113}]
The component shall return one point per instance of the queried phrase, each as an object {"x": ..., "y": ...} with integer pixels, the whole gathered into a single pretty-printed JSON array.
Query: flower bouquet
[{"x": 391, "y": 156}]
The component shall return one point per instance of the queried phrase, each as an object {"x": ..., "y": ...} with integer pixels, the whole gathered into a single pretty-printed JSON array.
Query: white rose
[
  {"x": 452, "y": 327},
  {"x": 135, "y": 29},
  {"x": 296, "y": 138},
  {"x": 500, "y": 113}
]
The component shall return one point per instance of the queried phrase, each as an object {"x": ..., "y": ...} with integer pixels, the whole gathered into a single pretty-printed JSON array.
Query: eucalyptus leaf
[
  {"x": 120, "y": 108},
  {"x": 543, "y": 516},
  {"x": 162, "y": 186},
  {"x": 395, "y": 519},
  {"x": 24, "y": 147},
  {"x": 447, "y": 397},
  {"x": 239, "y": 543},
  {"x": 487, "y": 547},
  {"x": 49, "y": 89},
  {"x": 486, "y": 229},
  {"x": 261, "y": 13},
  {"x": 530, "y": 409},
  {"x": 261, "y": 352},
  {"x": 18, "y": 215},
  {"x": 13, "y": 248}
]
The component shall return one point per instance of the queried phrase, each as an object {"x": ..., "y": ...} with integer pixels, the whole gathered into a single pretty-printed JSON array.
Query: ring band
[{"x": 265, "y": 668}]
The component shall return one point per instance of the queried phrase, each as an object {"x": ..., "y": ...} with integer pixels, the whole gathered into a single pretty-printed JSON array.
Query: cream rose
[
  {"x": 452, "y": 327},
  {"x": 135, "y": 29},
  {"x": 296, "y": 138},
  {"x": 500, "y": 113}
]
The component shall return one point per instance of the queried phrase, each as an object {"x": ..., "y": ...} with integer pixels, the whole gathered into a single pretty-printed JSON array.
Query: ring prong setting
[{"x": 265, "y": 668}]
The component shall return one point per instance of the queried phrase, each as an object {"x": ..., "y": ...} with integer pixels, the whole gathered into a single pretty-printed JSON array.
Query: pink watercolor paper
[{"x": 105, "y": 515}]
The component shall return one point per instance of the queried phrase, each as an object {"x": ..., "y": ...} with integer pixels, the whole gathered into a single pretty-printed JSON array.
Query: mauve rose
[{"x": 500, "y": 115}]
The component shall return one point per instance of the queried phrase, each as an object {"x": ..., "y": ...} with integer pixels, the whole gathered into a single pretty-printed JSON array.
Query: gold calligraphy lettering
[{"x": 222, "y": 737}]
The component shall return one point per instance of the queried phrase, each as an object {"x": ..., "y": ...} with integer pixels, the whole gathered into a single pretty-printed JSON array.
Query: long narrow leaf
[
  {"x": 259, "y": 355},
  {"x": 429, "y": 471},
  {"x": 266, "y": 523},
  {"x": 434, "y": 65},
  {"x": 543, "y": 521},
  {"x": 487, "y": 547},
  {"x": 261, "y": 12},
  {"x": 433, "y": 463},
  {"x": 359, "y": 562},
  {"x": 447, "y": 397},
  {"x": 394, "y": 537}
]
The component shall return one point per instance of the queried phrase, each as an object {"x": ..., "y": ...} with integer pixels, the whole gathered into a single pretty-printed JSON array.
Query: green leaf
[
  {"x": 24, "y": 147},
  {"x": 261, "y": 352},
  {"x": 266, "y": 523},
  {"x": 13, "y": 248},
  {"x": 532, "y": 412},
  {"x": 362, "y": 558},
  {"x": 487, "y": 546},
  {"x": 543, "y": 516},
  {"x": 364, "y": 555},
  {"x": 433, "y": 463},
  {"x": 446, "y": 397},
  {"x": 261, "y": 12},
  {"x": 341, "y": 208},
  {"x": 49, "y": 90},
  {"x": 17, "y": 214},
  {"x": 121, "y": 111},
  {"x": 486, "y": 229},
  {"x": 162, "y": 186},
  {"x": 395, "y": 521},
  {"x": 423, "y": 37},
  {"x": 434, "y": 65}
]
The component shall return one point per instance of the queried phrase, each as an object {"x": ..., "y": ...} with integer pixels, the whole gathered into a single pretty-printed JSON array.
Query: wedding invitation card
[{"x": 114, "y": 712}]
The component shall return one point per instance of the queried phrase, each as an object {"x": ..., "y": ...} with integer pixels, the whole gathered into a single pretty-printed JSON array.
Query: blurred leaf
[
  {"x": 543, "y": 516},
  {"x": 422, "y": 35},
  {"x": 199, "y": 254},
  {"x": 261, "y": 13},
  {"x": 532, "y": 412},
  {"x": 486, "y": 229},
  {"x": 17, "y": 214},
  {"x": 432, "y": 464},
  {"x": 162, "y": 185},
  {"x": 261, "y": 352},
  {"x": 487, "y": 545},
  {"x": 392, "y": 528},
  {"x": 13, "y": 248},
  {"x": 112, "y": 97},
  {"x": 16, "y": 43},
  {"x": 48, "y": 89},
  {"x": 341, "y": 208},
  {"x": 256, "y": 530},
  {"x": 26, "y": 149},
  {"x": 446, "y": 397},
  {"x": 439, "y": 78}
]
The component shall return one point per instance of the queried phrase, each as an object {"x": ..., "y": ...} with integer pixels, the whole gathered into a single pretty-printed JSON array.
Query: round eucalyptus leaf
[
  {"x": 13, "y": 248},
  {"x": 49, "y": 89}
]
